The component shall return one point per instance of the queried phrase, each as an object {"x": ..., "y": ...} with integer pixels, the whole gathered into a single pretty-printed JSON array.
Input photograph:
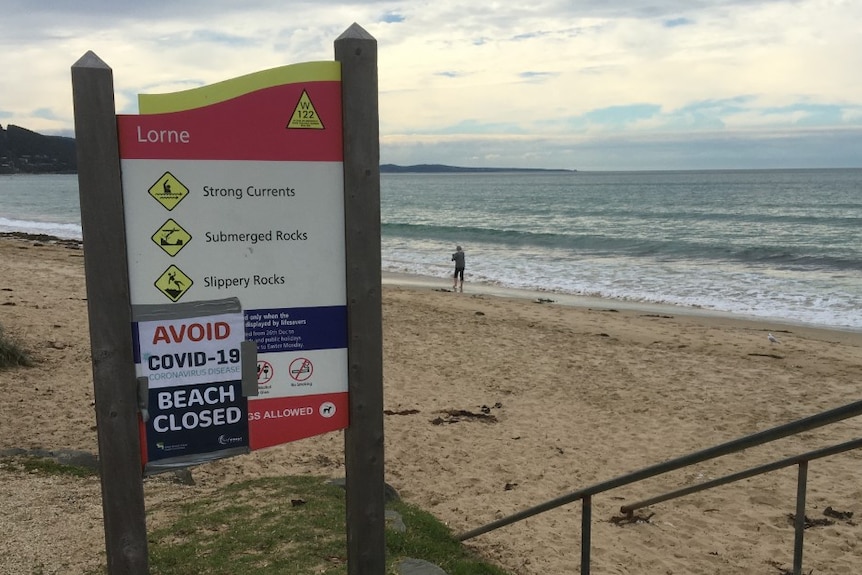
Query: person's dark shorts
[{"x": 459, "y": 272}]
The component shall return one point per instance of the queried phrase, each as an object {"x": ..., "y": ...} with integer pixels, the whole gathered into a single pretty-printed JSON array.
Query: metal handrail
[
  {"x": 769, "y": 435},
  {"x": 779, "y": 432},
  {"x": 795, "y": 460},
  {"x": 801, "y": 486}
]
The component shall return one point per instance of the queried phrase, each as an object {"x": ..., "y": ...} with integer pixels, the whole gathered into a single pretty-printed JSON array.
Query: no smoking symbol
[{"x": 300, "y": 369}]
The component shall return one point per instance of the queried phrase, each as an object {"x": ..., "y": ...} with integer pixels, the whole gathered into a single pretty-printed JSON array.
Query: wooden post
[
  {"x": 363, "y": 453},
  {"x": 106, "y": 271}
]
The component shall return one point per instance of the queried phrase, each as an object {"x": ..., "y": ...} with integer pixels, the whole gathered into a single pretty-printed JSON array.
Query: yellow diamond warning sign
[
  {"x": 304, "y": 115},
  {"x": 171, "y": 237},
  {"x": 173, "y": 283},
  {"x": 168, "y": 191}
]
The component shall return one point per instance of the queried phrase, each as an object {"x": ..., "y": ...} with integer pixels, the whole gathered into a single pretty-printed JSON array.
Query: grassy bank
[
  {"x": 291, "y": 525},
  {"x": 274, "y": 525}
]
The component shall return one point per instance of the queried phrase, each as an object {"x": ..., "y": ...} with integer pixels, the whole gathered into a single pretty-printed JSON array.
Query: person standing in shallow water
[{"x": 458, "y": 258}]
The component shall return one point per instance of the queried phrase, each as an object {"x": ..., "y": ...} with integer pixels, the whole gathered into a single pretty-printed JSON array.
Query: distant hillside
[
  {"x": 26, "y": 152},
  {"x": 443, "y": 169}
]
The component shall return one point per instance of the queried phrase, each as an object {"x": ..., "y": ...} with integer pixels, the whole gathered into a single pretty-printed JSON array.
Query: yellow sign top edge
[{"x": 228, "y": 89}]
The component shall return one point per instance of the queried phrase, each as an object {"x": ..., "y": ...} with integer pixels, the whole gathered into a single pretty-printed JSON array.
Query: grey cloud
[{"x": 532, "y": 76}]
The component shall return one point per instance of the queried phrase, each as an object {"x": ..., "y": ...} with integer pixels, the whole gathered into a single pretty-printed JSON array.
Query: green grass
[
  {"x": 429, "y": 539},
  {"x": 253, "y": 527},
  {"x": 11, "y": 354},
  {"x": 32, "y": 464},
  {"x": 272, "y": 526}
]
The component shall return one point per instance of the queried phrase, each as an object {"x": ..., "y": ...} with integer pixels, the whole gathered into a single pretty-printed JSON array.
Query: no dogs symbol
[
  {"x": 327, "y": 409},
  {"x": 300, "y": 369}
]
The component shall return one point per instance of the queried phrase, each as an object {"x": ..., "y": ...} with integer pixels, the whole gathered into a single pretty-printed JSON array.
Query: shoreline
[
  {"x": 46, "y": 238},
  {"x": 570, "y": 300},
  {"x": 608, "y": 304}
]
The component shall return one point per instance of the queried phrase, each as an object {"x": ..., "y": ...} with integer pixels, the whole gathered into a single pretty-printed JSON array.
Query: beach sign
[
  {"x": 235, "y": 228},
  {"x": 233, "y": 197}
]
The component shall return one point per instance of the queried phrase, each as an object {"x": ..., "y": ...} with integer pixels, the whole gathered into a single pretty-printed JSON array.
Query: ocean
[{"x": 781, "y": 245}]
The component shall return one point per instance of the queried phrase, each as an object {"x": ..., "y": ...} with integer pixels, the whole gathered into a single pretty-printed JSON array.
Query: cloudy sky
[{"x": 584, "y": 84}]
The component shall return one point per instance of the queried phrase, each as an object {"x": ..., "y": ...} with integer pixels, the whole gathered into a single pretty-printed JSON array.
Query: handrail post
[
  {"x": 586, "y": 526},
  {"x": 801, "y": 485}
]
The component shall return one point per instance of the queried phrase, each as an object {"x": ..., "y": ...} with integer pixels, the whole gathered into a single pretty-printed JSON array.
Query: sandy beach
[{"x": 575, "y": 392}]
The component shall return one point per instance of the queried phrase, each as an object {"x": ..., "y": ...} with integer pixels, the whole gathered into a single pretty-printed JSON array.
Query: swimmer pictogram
[{"x": 168, "y": 191}]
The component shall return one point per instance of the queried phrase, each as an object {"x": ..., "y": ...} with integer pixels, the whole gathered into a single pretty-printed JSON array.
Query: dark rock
[
  {"x": 394, "y": 521},
  {"x": 183, "y": 476}
]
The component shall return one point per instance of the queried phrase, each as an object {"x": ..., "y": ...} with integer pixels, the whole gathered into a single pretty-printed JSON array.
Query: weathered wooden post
[
  {"x": 114, "y": 382},
  {"x": 366, "y": 545}
]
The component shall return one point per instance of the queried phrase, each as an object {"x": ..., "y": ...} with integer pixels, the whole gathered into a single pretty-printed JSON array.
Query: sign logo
[
  {"x": 171, "y": 237},
  {"x": 168, "y": 191},
  {"x": 228, "y": 440},
  {"x": 300, "y": 369},
  {"x": 304, "y": 115},
  {"x": 173, "y": 283}
]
